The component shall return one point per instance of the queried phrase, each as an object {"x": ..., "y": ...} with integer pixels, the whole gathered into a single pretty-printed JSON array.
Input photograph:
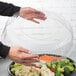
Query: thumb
[{"x": 25, "y": 50}]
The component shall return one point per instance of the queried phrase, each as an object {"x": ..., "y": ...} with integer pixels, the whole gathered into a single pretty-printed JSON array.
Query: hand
[
  {"x": 30, "y": 13},
  {"x": 17, "y": 55}
]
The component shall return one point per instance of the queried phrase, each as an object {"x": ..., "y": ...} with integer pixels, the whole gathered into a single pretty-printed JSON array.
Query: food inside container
[
  {"x": 49, "y": 65},
  {"x": 52, "y": 36}
]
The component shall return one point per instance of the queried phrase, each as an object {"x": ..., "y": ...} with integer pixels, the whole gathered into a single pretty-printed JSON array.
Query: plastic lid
[{"x": 48, "y": 36}]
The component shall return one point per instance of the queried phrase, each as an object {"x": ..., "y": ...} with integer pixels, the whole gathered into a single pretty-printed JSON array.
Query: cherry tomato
[{"x": 52, "y": 69}]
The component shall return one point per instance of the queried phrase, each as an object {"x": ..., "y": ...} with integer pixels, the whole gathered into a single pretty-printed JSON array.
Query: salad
[{"x": 48, "y": 66}]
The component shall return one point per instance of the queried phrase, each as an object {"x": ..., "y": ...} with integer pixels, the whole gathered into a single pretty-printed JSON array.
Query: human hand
[
  {"x": 30, "y": 13},
  {"x": 16, "y": 54}
]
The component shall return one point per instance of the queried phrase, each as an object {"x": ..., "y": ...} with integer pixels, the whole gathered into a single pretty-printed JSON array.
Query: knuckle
[
  {"x": 19, "y": 48},
  {"x": 21, "y": 57}
]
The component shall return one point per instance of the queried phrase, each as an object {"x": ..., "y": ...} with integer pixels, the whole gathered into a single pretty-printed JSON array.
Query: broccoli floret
[
  {"x": 16, "y": 67},
  {"x": 53, "y": 65},
  {"x": 61, "y": 69},
  {"x": 48, "y": 65},
  {"x": 66, "y": 60},
  {"x": 71, "y": 68},
  {"x": 58, "y": 70},
  {"x": 66, "y": 72},
  {"x": 62, "y": 74}
]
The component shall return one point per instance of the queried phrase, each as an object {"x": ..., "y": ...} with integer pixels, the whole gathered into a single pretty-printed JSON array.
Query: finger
[
  {"x": 25, "y": 50},
  {"x": 36, "y": 11},
  {"x": 28, "y": 64},
  {"x": 41, "y": 18},
  {"x": 27, "y": 61},
  {"x": 30, "y": 61},
  {"x": 34, "y": 21},
  {"x": 29, "y": 56},
  {"x": 39, "y": 13}
]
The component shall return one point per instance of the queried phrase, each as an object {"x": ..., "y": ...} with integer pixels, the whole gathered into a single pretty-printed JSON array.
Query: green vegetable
[
  {"x": 71, "y": 68},
  {"x": 66, "y": 72},
  {"x": 48, "y": 65},
  {"x": 16, "y": 67},
  {"x": 62, "y": 74},
  {"x": 53, "y": 65},
  {"x": 62, "y": 67},
  {"x": 66, "y": 60},
  {"x": 57, "y": 71},
  {"x": 54, "y": 61}
]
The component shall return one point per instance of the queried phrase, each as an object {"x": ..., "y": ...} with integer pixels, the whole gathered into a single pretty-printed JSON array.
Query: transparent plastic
[{"x": 52, "y": 36}]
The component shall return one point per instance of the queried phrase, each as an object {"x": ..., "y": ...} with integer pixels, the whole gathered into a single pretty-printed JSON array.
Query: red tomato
[
  {"x": 52, "y": 69},
  {"x": 37, "y": 66}
]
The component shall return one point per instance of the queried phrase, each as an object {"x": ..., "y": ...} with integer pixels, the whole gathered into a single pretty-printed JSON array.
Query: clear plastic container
[{"x": 52, "y": 36}]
